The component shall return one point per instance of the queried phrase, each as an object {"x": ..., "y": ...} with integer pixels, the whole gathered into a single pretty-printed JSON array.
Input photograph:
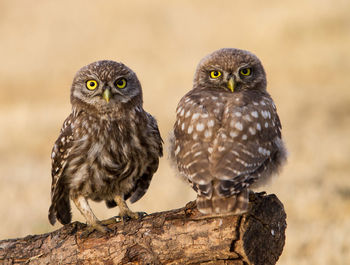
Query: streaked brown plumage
[
  {"x": 108, "y": 148},
  {"x": 227, "y": 134}
]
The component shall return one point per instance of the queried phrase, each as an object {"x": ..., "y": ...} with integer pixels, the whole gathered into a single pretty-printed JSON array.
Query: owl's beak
[
  {"x": 107, "y": 94},
  {"x": 231, "y": 84}
]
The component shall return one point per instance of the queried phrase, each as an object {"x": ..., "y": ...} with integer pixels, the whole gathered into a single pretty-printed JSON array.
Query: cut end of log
[{"x": 180, "y": 236}]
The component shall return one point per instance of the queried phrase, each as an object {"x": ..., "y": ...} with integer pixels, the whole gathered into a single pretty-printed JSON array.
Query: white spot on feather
[
  {"x": 195, "y": 116},
  {"x": 233, "y": 134},
  {"x": 207, "y": 133},
  {"x": 177, "y": 150},
  {"x": 254, "y": 114},
  {"x": 239, "y": 126},
  {"x": 210, "y": 123},
  {"x": 190, "y": 129},
  {"x": 200, "y": 127},
  {"x": 258, "y": 126},
  {"x": 252, "y": 130}
]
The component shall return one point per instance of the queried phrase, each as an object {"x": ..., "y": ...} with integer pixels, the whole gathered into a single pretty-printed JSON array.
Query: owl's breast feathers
[
  {"x": 224, "y": 142},
  {"x": 105, "y": 157}
]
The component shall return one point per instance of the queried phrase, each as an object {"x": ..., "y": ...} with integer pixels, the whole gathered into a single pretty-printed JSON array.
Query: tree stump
[{"x": 180, "y": 236}]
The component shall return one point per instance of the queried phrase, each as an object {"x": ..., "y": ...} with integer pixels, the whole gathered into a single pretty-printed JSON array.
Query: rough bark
[{"x": 180, "y": 236}]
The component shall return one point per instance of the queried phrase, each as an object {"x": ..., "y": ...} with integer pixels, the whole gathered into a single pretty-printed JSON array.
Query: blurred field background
[{"x": 304, "y": 46}]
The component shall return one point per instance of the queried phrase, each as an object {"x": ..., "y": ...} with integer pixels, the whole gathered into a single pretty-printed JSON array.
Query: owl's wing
[
  {"x": 191, "y": 145},
  {"x": 155, "y": 150},
  {"x": 60, "y": 206},
  {"x": 245, "y": 145}
]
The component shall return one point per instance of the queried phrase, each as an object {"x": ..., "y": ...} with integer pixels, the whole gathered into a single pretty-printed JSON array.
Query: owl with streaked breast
[
  {"x": 108, "y": 148},
  {"x": 227, "y": 135}
]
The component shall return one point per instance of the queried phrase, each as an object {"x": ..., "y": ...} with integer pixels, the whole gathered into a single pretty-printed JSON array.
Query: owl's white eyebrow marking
[
  {"x": 200, "y": 127},
  {"x": 239, "y": 126},
  {"x": 254, "y": 114}
]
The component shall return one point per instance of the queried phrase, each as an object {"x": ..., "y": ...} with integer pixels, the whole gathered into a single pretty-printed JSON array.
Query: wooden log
[{"x": 180, "y": 236}]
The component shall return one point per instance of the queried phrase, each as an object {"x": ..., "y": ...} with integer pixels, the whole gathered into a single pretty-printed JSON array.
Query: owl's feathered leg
[
  {"x": 125, "y": 212},
  {"x": 91, "y": 220}
]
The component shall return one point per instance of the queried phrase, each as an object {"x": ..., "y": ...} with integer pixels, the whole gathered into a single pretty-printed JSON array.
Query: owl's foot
[
  {"x": 125, "y": 213},
  {"x": 123, "y": 217},
  {"x": 98, "y": 226}
]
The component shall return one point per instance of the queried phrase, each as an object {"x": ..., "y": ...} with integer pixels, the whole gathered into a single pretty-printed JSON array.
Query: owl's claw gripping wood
[
  {"x": 125, "y": 213},
  {"x": 126, "y": 217},
  {"x": 98, "y": 226}
]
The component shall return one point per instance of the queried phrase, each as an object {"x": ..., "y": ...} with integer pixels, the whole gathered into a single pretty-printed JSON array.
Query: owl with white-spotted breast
[
  {"x": 227, "y": 135},
  {"x": 108, "y": 148}
]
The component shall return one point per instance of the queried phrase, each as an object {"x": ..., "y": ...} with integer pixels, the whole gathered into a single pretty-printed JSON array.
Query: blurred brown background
[{"x": 304, "y": 46}]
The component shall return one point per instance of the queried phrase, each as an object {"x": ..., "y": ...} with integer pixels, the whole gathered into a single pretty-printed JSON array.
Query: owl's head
[
  {"x": 105, "y": 84},
  {"x": 231, "y": 70}
]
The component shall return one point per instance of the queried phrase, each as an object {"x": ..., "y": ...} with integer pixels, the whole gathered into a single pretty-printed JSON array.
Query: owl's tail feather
[
  {"x": 235, "y": 204},
  {"x": 61, "y": 210}
]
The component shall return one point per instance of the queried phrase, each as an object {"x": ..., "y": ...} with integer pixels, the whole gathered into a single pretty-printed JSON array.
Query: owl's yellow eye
[
  {"x": 120, "y": 83},
  {"x": 246, "y": 71},
  {"x": 215, "y": 74},
  {"x": 91, "y": 84}
]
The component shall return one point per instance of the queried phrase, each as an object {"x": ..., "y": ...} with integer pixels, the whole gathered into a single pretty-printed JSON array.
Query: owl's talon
[
  {"x": 142, "y": 214},
  {"x": 95, "y": 227},
  {"x": 129, "y": 215}
]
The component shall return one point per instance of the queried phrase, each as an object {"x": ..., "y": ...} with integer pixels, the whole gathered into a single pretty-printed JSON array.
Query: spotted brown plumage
[
  {"x": 227, "y": 134},
  {"x": 109, "y": 146}
]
